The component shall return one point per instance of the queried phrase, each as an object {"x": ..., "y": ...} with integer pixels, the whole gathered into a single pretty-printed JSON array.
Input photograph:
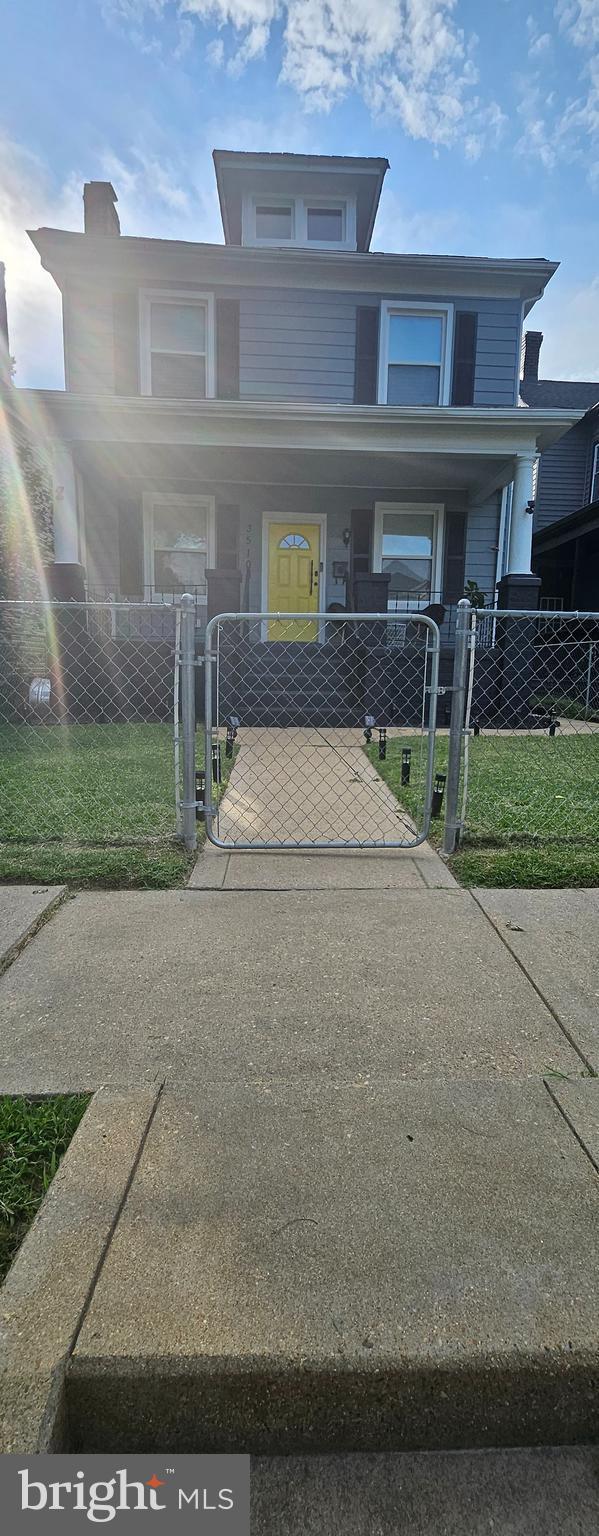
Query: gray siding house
[
  {"x": 290, "y": 405},
  {"x": 566, "y": 517}
]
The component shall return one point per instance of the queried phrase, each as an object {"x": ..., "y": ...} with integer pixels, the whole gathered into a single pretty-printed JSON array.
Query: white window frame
[
  {"x": 150, "y": 296},
  {"x": 594, "y": 471},
  {"x": 391, "y": 307},
  {"x": 154, "y": 499},
  {"x": 409, "y": 508},
  {"x": 299, "y": 221}
]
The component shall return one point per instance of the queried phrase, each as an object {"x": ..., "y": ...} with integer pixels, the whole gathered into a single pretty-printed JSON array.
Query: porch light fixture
[
  {"x": 406, "y": 762},
  {"x": 368, "y": 727},
  {"x": 382, "y": 743},
  {"x": 440, "y": 782}
]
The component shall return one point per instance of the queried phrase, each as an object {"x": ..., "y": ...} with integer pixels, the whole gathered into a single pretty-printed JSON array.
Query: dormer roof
[{"x": 240, "y": 172}]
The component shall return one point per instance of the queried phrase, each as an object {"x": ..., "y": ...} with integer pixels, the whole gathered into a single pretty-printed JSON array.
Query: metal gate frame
[{"x": 429, "y": 725}]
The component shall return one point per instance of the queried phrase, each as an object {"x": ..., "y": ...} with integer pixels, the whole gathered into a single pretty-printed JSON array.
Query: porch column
[
  {"x": 520, "y": 548},
  {"x": 66, "y": 527}
]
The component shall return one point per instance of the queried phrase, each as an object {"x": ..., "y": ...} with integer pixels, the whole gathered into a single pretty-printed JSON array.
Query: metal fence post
[
  {"x": 188, "y": 721},
  {"x": 456, "y": 726}
]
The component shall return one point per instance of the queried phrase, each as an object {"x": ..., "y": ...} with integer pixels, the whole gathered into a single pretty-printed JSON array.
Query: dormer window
[
  {"x": 324, "y": 223},
  {"x": 274, "y": 223}
]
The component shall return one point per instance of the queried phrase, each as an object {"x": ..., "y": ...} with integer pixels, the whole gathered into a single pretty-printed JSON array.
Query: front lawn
[
  {"x": 533, "y": 807},
  {"x": 90, "y": 805},
  {"x": 34, "y": 1135}
]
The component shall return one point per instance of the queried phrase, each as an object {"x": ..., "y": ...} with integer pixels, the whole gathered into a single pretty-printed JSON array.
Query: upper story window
[
  {"x": 415, "y": 353},
  {"x": 177, "y": 344},
  {"x": 594, "y": 491},
  {"x": 300, "y": 221}
]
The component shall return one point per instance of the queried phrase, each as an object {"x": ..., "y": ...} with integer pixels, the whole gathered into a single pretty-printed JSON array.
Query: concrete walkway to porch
[{"x": 314, "y": 785}]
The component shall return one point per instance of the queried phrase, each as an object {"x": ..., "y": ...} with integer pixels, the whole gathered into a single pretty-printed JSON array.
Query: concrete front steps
[{"x": 324, "y": 1265}]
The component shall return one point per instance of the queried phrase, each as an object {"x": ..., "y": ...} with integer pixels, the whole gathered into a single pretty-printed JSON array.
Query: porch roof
[{"x": 294, "y": 425}]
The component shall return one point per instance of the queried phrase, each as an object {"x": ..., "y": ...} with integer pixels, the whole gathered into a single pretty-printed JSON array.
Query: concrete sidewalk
[
  {"x": 240, "y": 985},
  {"x": 366, "y": 1212}
]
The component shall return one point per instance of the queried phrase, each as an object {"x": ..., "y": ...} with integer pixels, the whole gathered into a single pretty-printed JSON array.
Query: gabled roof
[{"x": 284, "y": 173}]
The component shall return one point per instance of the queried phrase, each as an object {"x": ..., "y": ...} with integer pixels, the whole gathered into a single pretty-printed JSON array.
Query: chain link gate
[{"x": 294, "y": 699}]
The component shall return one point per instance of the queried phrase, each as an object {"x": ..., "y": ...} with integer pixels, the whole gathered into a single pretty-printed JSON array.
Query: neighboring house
[
  {"x": 291, "y": 404},
  {"x": 566, "y": 519}
]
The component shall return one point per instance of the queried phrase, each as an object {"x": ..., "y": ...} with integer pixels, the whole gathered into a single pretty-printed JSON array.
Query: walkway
[{"x": 309, "y": 785}]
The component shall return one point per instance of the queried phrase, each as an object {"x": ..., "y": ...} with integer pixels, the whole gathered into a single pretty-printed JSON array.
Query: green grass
[
  {"x": 91, "y": 806},
  {"x": 34, "y": 1135},
  {"x": 533, "y": 807}
]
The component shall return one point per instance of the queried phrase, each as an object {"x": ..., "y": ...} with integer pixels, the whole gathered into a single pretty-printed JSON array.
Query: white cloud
[
  {"x": 579, "y": 19},
  {"x": 27, "y": 200},
  {"x": 408, "y": 59}
]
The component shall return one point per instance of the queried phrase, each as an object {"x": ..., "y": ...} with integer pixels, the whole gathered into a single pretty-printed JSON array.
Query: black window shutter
[
  {"x": 227, "y": 537},
  {"x": 367, "y": 356},
  {"x": 125, "y": 309},
  {"x": 361, "y": 540},
  {"x": 131, "y": 547},
  {"x": 227, "y": 349},
  {"x": 464, "y": 357},
  {"x": 454, "y": 557}
]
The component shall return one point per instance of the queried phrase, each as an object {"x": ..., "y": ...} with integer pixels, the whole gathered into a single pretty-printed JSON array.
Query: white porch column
[
  {"x": 520, "y": 549},
  {"x": 66, "y": 524}
]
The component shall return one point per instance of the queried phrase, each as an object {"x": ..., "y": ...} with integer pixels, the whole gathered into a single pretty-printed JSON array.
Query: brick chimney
[
  {"x": 99, "y": 213},
  {"x": 5, "y": 360},
  {"x": 533, "y": 341}
]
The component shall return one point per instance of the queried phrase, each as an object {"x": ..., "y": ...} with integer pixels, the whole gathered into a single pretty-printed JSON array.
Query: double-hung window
[
  {"x": 408, "y": 546},
  {"x": 594, "y": 491},
  {"x": 178, "y": 541},
  {"x": 177, "y": 344},
  {"x": 415, "y": 354}
]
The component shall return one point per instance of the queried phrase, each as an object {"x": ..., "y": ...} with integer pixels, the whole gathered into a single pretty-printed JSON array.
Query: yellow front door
[{"x": 293, "y": 578}]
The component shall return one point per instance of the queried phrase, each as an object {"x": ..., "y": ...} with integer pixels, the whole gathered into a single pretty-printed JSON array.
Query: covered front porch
[{"x": 300, "y": 501}]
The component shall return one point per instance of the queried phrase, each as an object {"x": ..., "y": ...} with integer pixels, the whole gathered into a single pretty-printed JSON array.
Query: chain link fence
[
  {"x": 298, "y": 697},
  {"x": 530, "y": 744},
  {"x": 89, "y": 736}
]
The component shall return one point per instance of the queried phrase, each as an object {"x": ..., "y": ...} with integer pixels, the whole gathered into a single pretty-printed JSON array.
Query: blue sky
[{"x": 487, "y": 109}]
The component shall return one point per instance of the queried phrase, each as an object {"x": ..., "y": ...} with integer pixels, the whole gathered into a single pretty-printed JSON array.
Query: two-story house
[
  {"x": 566, "y": 517},
  {"x": 290, "y": 404}
]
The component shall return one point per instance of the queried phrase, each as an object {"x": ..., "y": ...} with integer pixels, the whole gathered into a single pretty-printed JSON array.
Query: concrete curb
[{"x": 47, "y": 1291}]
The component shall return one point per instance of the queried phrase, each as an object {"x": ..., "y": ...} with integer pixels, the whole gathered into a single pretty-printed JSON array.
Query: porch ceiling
[{"x": 471, "y": 474}]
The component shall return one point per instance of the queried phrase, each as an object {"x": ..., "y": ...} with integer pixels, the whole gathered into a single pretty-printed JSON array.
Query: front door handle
[{"x": 311, "y": 577}]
